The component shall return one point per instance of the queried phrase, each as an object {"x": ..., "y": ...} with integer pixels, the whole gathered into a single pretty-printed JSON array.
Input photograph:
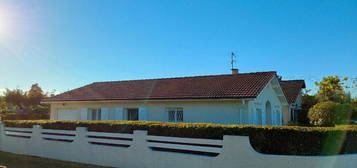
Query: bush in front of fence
[{"x": 287, "y": 140}]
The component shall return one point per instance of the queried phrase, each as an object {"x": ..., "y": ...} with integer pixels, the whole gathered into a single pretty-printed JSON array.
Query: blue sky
[{"x": 64, "y": 44}]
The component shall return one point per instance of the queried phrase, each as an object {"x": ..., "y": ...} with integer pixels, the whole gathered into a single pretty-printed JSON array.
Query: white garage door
[{"x": 68, "y": 114}]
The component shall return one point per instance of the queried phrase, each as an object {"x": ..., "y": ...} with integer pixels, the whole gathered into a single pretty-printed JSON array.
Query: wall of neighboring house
[
  {"x": 267, "y": 108},
  {"x": 217, "y": 111},
  {"x": 295, "y": 106}
]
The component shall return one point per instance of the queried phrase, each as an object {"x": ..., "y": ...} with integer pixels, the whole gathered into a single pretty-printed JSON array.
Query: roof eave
[{"x": 146, "y": 100}]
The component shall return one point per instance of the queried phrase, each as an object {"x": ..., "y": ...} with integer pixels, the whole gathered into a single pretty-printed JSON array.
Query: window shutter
[
  {"x": 118, "y": 113},
  {"x": 104, "y": 113},
  {"x": 111, "y": 114},
  {"x": 142, "y": 114},
  {"x": 241, "y": 116},
  {"x": 89, "y": 114},
  {"x": 84, "y": 114}
]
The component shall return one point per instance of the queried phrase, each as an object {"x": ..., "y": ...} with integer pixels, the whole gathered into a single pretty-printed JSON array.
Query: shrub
[
  {"x": 285, "y": 140},
  {"x": 354, "y": 111},
  {"x": 343, "y": 113},
  {"x": 330, "y": 113},
  {"x": 36, "y": 113}
]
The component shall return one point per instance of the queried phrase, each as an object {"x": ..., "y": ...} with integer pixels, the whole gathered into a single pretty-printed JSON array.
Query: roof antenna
[{"x": 233, "y": 62}]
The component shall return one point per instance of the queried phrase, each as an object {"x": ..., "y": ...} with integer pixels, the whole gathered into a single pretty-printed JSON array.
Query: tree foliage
[
  {"x": 35, "y": 95},
  {"x": 308, "y": 100},
  {"x": 15, "y": 98},
  {"x": 18, "y": 104},
  {"x": 331, "y": 88}
]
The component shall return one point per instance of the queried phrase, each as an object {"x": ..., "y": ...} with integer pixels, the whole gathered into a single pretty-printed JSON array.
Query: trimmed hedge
[{"x": 287, "y": 140}]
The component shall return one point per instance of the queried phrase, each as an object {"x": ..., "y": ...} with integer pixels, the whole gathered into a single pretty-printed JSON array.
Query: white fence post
[
  {"x": 36, "y": 141},
  {"x": 81, "y": 133},
  {"x": 2, "y": 133},
  {"x": 140, "y": 149},
  {"x": 80, "y": 151},
  {"x": 140, "y": 139}
]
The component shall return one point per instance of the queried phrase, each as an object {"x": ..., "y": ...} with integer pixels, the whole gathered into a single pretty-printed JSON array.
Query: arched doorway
[{"x": 268, "y": 113}]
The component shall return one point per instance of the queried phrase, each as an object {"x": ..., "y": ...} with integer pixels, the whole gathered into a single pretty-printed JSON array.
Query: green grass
[{"x": 21, "y": 161}]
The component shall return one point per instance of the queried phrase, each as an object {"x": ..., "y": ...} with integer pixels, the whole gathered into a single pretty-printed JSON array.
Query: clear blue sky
[{"x": 64, "y": 44}]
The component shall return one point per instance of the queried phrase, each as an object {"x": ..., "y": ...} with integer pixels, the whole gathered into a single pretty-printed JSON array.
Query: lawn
[{"x": 21, "y": 161}]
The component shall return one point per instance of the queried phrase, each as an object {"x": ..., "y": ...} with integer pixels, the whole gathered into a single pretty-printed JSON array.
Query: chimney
[{"x": 235, "y": 71}]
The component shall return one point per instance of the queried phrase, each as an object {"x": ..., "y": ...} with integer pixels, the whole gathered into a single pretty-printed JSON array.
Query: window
[
  {"x": 292, "y": 114},
  {"x": 259, "y": 116},
  {"x": 133, "y": 113},
  {"x": 94, "y": 114},
  {"x": 277, "y": 116},
  {"x": 241, "y": 116},
  {"x": 175, "y": 114}
]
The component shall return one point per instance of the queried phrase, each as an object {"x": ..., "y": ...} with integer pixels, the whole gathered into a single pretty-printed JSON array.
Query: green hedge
[{"x": 286, "y": 140}]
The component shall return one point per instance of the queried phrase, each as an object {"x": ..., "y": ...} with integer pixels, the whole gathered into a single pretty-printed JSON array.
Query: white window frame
[{"x": 175, "y": 114}]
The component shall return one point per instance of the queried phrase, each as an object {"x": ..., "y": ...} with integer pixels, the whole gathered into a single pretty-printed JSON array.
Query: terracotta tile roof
[
  {"x": 245, "y": 85},
  {"x": 292, "y": 88}
]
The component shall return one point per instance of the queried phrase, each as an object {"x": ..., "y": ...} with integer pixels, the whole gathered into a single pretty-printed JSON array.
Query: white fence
[{"x": 139, "y": 150}]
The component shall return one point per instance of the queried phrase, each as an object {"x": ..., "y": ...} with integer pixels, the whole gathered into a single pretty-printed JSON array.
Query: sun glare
[
  {"x": 5, "y": 23},
  {"x": 2, "y": 25}
]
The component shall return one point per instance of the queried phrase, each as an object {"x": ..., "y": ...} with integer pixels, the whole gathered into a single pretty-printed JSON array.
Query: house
[
  {"x": 237, "y": 98},
  {"x": 292, "y": 91}
]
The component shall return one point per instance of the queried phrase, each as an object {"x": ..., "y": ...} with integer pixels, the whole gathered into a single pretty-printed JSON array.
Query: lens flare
[
  {"x": 6, "y": 22},
  {"x": 2, "y": 25}
]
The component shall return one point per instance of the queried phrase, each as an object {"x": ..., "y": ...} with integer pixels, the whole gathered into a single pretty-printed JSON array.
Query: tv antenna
[{"x": 233, "y": 60}]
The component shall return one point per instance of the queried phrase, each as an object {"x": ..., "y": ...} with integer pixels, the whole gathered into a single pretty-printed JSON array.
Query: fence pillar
[
  {"x": 35, "y": 143},
  {"x": 236, "y": 151},
  {"x": 139, "y": 149},
  {"x": 80, "y": 146},
  {"x": 140, "y": 139},
  {"x": 2, "y": 133}
]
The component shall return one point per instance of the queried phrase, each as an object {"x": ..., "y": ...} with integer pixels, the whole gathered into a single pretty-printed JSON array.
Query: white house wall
[
  {"x": 267, "y": 94},
  {"x": 223, "y": 112}
]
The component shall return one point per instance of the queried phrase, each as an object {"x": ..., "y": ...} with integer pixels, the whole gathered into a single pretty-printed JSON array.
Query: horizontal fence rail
[
  {"x": 18, "y": 132},
  {"x": 110, "y": 139},
  {"x": 186, "y": 145},
  {"x": 58, "y": 135}
]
